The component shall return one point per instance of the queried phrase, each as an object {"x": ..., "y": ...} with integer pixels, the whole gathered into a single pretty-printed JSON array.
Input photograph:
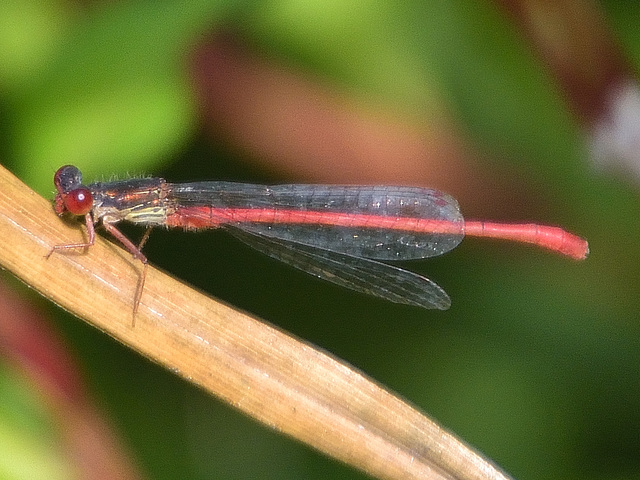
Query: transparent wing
[
  {"x": 360, "y": 274},
  {"x": 379, "y": 222}
]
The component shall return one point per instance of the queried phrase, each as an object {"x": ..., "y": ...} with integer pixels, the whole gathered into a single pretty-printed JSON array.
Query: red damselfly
[{"x": 338, "y": 233}]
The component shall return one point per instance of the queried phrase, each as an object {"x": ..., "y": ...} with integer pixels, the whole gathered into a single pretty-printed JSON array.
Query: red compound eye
[{"x": 79, "y": 201}]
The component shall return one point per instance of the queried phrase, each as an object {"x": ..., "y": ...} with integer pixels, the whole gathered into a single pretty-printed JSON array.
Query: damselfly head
[{"x": 72, "y": 196}]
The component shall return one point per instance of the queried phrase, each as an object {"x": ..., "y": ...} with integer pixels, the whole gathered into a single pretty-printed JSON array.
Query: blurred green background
[{"x": 537, "y": 364}]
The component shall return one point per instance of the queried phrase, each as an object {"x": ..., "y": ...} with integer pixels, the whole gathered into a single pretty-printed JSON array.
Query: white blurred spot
[{"x": 616, "y": 138}]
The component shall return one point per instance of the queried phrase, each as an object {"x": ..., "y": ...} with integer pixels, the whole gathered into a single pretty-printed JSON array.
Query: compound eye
[
  {"x": 78, "y": 201},
  {"x": 67, "y": 178}
]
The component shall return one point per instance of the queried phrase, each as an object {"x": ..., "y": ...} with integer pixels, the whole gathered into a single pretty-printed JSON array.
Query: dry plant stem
[{"x": 273, "y": 377}]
